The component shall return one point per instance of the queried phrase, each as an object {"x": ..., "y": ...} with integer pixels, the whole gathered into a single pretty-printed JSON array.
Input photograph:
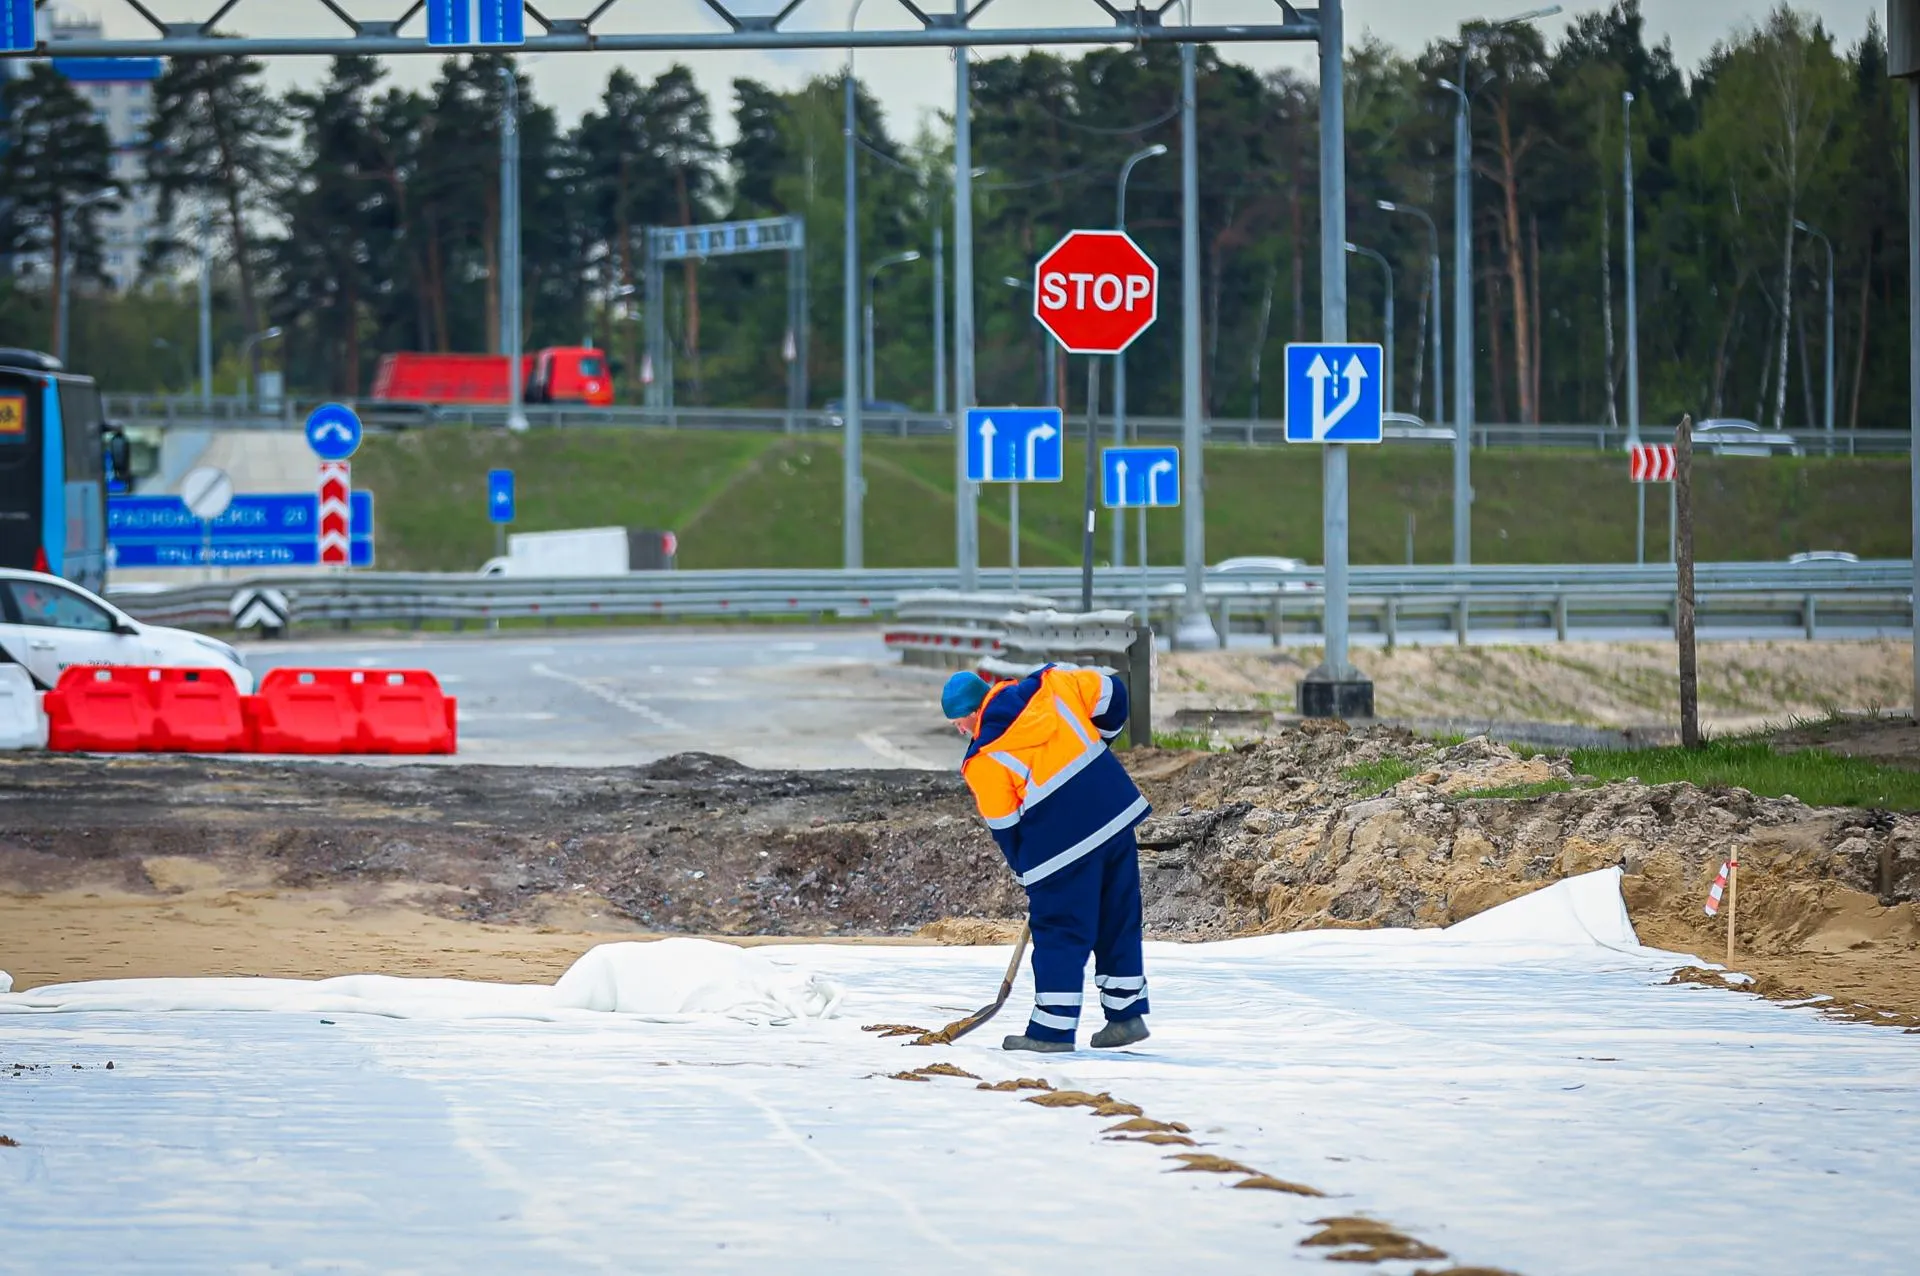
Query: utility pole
[
  {"x": 965, "y": 503},
  {"x": 853, "y": 482},
  {"x": 1828, "y": 245},
  {"x": 510, "y": 339},
  {"x": 1633, "y": 337},
  {"x": 1195, "y": 630}
]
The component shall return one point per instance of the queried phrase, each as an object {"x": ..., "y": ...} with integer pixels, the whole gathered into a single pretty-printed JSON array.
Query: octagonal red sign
[{"x": 1096, "y": 291}]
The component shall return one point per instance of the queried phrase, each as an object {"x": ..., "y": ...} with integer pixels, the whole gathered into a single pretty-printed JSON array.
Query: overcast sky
[{"x": 912, "y": 84}]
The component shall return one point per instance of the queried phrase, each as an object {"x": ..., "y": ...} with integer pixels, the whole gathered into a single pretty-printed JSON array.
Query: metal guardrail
[
  {"x": 948, "y": 629},
  {"x": 232, "y": 413},
  {"x": 1389, "y": 600}
]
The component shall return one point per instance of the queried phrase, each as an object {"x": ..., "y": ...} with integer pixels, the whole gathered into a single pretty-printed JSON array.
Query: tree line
[{"x": 362, "y": 217}]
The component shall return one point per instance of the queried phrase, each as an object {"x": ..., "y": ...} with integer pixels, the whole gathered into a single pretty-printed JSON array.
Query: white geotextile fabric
[{"x": 669, "y": 978}]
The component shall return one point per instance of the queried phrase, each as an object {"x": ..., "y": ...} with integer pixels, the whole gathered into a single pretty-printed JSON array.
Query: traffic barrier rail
[
  {"x": 1281, "y": 599},
  {"x": 949, "y": 629},
  {"x": 354, "y": 711},
  {"x": 1109, "y": 639},
  {"x": 23, "y": 721},
  {"x": 146, "y": 709}
]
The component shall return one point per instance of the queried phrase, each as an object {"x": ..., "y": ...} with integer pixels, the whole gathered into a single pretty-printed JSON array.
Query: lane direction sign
[
  {"x": 1140, "y": 477},
  {"x": 457, "y": 24},
  {"x": 1333, "y": 393},
  {"x": 1015, "y": 445},
  {"x": 500, "y": 495},
  {"x": 16, "y": 26},
  {"x": 333, "y": 431}
]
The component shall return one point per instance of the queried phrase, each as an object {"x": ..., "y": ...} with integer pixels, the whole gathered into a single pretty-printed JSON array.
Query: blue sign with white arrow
[
  {"x": 16, "y": 26},
  {"x": 1140, "y": 477},
  {"x": 333, "y": 432},
  {"x": 476, "y": 23},
  {"x": 1333, "y": 394},
  {"x": 500, "y": 495},
  {"x": 1015, "y": 445},
  {"x": 265, "y": 530}
]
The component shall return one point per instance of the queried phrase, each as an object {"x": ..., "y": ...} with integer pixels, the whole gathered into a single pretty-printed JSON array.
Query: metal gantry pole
[
  {"x": 965, "y": 502},
  {"x": 1194, "y": 629},
  {"x": 853, "y": 484},
  {"x": 1333, "y": 328},
  {"x": 1913, "y": 360},
  {"x": 1633, "y": 332},
  {"x": 510, "y": 339}
]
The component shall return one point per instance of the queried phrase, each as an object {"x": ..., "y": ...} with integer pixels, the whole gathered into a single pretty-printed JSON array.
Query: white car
[
  {"x": 1263, "y": 568},
  {"x": 1734, "y": 436},
  {"x": 47, "y": 624}
]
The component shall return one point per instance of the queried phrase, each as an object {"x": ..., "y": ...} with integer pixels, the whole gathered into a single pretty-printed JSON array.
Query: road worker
[{"x": 1063, "y": 810}]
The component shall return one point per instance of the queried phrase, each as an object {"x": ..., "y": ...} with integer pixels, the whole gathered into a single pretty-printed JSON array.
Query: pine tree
[{"x": 56, "y": 156}]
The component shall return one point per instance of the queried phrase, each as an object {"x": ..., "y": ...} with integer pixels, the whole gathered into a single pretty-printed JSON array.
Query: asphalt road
[{"x": 796, "y": 698}]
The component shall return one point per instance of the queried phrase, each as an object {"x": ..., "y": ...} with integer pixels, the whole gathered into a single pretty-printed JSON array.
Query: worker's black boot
[
  {"x": 1121, "y": 1032},
  {"x": 1024, "y": 1042}
]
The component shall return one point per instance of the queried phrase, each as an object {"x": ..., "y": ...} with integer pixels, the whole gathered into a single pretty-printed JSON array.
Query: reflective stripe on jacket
[{"x": 1041, "y": 773}]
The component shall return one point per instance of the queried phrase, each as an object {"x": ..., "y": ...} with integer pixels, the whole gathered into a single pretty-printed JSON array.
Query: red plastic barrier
[
  {"x": 353, "y": 711},
  {"x": 103, "y": 708},
  {"x": 198, "y": 710},
  {"x": 403, "y": 711},
  {"x": 307, "y": 711}
]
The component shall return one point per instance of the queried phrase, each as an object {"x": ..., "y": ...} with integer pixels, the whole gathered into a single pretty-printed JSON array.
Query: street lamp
[
  {"x": 1120, "y": 360},
  {"x": 853, "y": 482},
  {"x": 1802, "y": 226},
  {"x": 1049, "y": 374},
  {"x": 66, "y": 261},
  {"x": 1387, "y": 388},
  {"x": 1463, "y": 348},
  {"x": 896, "y": 260},
  {"x": 246, "y": 366},
  {"x": 510, "y": 336},
  {"x": 1433, "y": 268}
]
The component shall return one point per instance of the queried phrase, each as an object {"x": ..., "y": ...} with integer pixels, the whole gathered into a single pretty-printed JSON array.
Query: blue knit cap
[{"x": 962, "y": 694}]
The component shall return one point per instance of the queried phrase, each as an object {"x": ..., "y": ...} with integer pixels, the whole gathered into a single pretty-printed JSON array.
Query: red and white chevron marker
[
  {"x": 1651, "y": 462},
  {"x": 336, "y": 529}
]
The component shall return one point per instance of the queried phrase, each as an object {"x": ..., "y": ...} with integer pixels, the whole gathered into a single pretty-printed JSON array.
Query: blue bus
[{"x": 53, "y": 470}]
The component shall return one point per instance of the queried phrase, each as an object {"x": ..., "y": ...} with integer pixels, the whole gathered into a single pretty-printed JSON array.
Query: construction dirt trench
[{"x": 189, "y": 866}]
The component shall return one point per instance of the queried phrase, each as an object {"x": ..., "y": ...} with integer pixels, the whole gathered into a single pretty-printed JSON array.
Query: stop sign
[{"x": 1096, "y": 291}]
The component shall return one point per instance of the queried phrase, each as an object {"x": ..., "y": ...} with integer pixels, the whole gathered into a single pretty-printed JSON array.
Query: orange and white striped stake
[{"x": 1725, "y": 883}]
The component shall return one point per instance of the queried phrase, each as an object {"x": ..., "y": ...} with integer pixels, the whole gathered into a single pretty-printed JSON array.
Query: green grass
[
  {"x": 1196, "y": 741},
  {"x": 1377, "y": 777},
  {"x": 1816, "y": 777},
  {"x": 771, "y": 500}
]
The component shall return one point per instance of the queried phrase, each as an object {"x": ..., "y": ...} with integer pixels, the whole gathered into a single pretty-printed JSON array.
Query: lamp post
[
  {"x": 246, "y": 365},
  {"x": 1463, "y": 348},
  {"x": 1828, "y": 244},
  {"x": 1120, "y": 360},
  {"x": 1433, "y": 267},
  {"x": 1049, "y": 372},
  {"x": 1633, "y": 326},
  {"x": 966, "y": 503},
  {"x": 510, "y": 337},
  {"x": 853, "y": 481},
  {"x": 66, "y": 262},
  {"x": 872, "y": 275},
  {"x": 1387, "y": 387}
]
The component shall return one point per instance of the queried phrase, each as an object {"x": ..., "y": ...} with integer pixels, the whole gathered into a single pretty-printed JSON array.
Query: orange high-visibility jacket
[{"x": 1041, "y": 772}]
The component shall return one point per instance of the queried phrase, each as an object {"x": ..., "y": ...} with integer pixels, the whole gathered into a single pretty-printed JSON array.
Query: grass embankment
[
  {"x": 769, "y": 500},
  {"x": 1814, "y": 776}
]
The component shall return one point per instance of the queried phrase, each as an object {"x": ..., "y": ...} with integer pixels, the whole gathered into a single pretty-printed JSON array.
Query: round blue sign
[{"x": 333, "y": 432}]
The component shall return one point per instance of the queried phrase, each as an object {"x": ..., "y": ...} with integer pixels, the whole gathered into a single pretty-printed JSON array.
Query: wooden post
[
  {"x": 1683, "y": 619},
  {"x": 1733, "y": 899}
]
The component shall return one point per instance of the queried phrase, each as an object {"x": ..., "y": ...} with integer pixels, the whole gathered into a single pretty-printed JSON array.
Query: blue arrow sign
[
  {"x": 1015, "y": 445},
  {"x": 1333, "y": 394},
  {"x": 333, "y": 432},
  {"x": 476, "y": 23},
  {"x": 500, "y": 495},
  {"x": 1140, "y": 477},
  {"x": 270, "y": 530},
  {"x": 16, "y": 26}
]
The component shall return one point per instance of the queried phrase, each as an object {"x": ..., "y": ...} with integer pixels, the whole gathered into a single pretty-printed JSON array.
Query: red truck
[{"x": 558, "y": 374}]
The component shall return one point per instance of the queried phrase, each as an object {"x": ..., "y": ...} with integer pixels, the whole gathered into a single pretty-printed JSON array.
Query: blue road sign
[
  {"x": 1333, "y": 394},
  {"x": 1140, "y": 477},
  {"x": 276, "y": 530},
  {"x": 333, "y": 432},
  {"x": 16, "y": 26},
  {"x": 476, "y": 23},
  {"x": 1015, "y": 445},
  {"x": 500, "y": 495}
]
